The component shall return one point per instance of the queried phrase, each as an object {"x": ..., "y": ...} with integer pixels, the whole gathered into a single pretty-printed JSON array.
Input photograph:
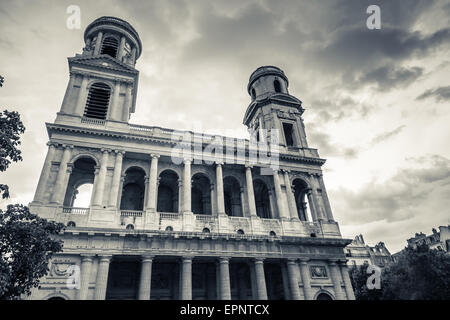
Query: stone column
[
  {"x": 242, "y": 287},
  {"x": 114, "y": 112},
  {"x": 312, "y": 206},
  {"x": 347, "y": 281},
  {"x": 273, "y": 204},
  {"x": 42, "y": 184},
  {"x": 336, "y": 278},
  {"x": 98, "y": 43},
  {"x": 145, "y": 281},
  {"x": 85, "y": 273},
  {"x": 306, "y": 279},
  {"x": 290, "y": 197},
  {"x": 102, "y": 277},
  {"x": 187, "y": 186},
  {"x": 325, "y": 199},
  {"x": 242, "y": 195},
  {"x": 128, "y": 102},
  {"x": 116, "y": 179},
  {"x": 293, "y": 281},
  {"x": 82, "y": 96},
  {"x": 285, "y": 279},
  {"x": 214, "y": 211},
  {"x": 279, "y": 196},
  {"x": 121, "y": 48},
  {"x": 180, "y": 195},
  {"x": 250, "y": 192},
  {"x": 253, "y": 281},
  {"x": 224, "y": 270},
  {"x": 100, "y": 185},
  {"x": 60, "y": 188},
  {"x": 65, "y": 107},
  {"x": 220, "y": 195},
  {"x": 186, "y": 278},
  {"x": 153, "y": 184},
  {"x": 260, "y": 279}
]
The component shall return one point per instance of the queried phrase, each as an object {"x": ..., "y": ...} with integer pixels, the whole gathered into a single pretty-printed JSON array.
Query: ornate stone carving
[{"x": 318, "y": 272}]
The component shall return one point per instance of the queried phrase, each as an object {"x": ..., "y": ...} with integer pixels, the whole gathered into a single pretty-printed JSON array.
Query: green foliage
[
  {"x": 11, "y": 127},
  {"x": 27, "y": 242},
  {"x": 418, "y": 274}
]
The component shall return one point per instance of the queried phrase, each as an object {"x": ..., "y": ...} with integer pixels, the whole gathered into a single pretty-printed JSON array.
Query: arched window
[
  {"x": 168, "y": 192},
  {"x": 97, "y": 101},
  {"x": 201, "y": 194},
  {"x": 110, "y": 46},
  {"x": 79, "y": 187},
  {"x": 130, "y": 227},
  {"x": 301, "y": 190},
  {"x": 206, "y": 230},
  {"x": 240, "y": 231},
  {"x": 323, "y": 296},
  {"x": 277, "y": 86},
  {"x": 133, "y": 190},
  {"x": 232, "y": 195},
  {"x": 71, "y": 224},
  {"x": 169, "y": 229},
  {"x": 262, "y": 199}
]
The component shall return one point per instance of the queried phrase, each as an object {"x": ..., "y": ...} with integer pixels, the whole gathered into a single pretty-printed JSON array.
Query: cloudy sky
[{"x": 377, "y": 101}]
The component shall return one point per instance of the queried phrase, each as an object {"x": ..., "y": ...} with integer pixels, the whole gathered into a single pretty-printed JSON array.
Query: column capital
[
  {"x": 86, "y": 257},
  {"x": 147, "y": 258},
  {"x": 258, "y": 260},
  {"x": 286, "y": 171},
  {"x": 304, "y": 260},
  {"x": 120, "y": 152},
  {"x": 52, "y": 144},
  {"x": 67, "y": 146},
  {"x": 292, "y": 260},
  {"x": 105, "y": 258},
  {"x": 248, "y": 166},
  {"x": 187, "y": 258},
  {"x": 104, "y": 150},
  {"x": 187, "y": 160},
  {"x": 154, "y": 156},
  {"x": 219, "y": 163},
  {"x": 224, "y": 259}
]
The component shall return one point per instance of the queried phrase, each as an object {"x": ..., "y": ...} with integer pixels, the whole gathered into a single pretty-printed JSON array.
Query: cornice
[{"x": 165, "y": 141}]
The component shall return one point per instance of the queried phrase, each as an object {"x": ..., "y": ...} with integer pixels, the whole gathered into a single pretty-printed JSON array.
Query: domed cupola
[{"x": 113, "y": 37}]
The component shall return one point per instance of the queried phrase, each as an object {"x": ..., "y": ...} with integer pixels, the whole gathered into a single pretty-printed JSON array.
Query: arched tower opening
[
  {"x": 201, "y": 194},
  {"x": 133, "y": 190},
  {"x": 168, "y": 192}
]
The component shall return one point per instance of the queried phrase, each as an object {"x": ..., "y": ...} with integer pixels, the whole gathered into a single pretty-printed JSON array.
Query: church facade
[{"x": 179, "y": 214}]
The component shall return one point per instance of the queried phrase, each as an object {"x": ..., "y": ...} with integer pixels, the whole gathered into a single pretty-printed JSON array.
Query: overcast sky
[{"x": 377, "y": 101}]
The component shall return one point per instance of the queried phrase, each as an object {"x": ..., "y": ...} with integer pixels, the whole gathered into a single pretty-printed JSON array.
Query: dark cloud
[
  {"x": 410, "y": 193},
  {"x": 328, "y": 148},
  {"x": 440, "y": 94},
  {"x": 335, "y": 108},
  {"x": 387, "y": 135},
  {"x": 388, "y": 77}
]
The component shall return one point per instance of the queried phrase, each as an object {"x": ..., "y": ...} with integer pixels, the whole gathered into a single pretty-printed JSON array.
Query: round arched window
[
  {"x": 206, "y": 230},
  {"x": 130, "y": 227},
  {"x": 169, "y": 228},
  {"x": 272, "y": 234},
  {"x": 240, "y": 231},
  {"x": 71, "y": 224}
]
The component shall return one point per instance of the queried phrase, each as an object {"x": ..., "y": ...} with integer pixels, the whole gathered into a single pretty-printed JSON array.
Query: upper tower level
[
  {"x": 273, "y": 110},
  {"x": 113, "y": 37},
  {"x": 103, "y": 79}
]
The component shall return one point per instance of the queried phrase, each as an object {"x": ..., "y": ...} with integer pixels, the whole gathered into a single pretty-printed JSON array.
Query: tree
[
  {"x": 27, "y": 243},
  {"x": 419, "y": 274}
]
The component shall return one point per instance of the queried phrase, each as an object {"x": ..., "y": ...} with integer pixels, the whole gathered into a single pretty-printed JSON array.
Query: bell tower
[
  {"x": 103, "y": 79},
  {"x": 272, "y": 109}
]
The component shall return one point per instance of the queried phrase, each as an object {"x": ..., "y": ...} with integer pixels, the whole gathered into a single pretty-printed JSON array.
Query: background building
[
  {"x": 359, "y": 253},
  {"x": 438, "y": 240},
  {"x": 195, "y": 226}
]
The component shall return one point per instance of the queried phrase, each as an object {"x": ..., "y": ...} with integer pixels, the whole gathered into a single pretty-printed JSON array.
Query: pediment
[{"x": 103, "y": 62}]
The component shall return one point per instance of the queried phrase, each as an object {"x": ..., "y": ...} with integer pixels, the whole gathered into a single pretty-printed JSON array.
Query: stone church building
[{"x": 197, "y": 225}]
